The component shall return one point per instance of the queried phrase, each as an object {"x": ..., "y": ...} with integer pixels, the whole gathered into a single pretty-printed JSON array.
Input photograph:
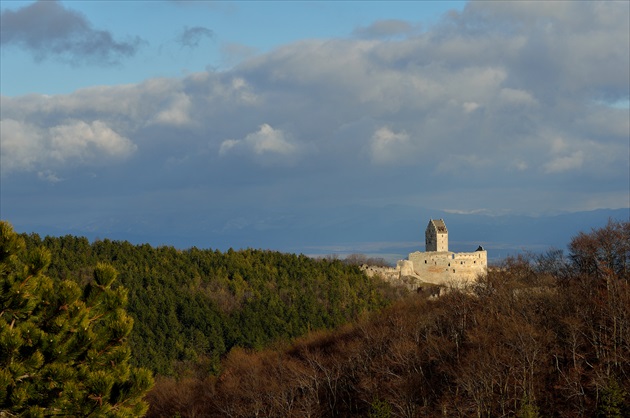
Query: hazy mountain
[{"x": 391, "y": 232}]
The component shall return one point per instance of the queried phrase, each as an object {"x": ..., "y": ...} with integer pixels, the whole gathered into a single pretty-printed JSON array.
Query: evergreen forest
[{"x": 191, "y": 307}]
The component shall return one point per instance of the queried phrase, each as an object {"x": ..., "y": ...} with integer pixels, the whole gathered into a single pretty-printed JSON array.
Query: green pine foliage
[
  {"x": 192, "y": 307},
  {"x": 613, "y": 396},
  {"x": 527, "y": 409},
  {"x": 380, "y": 409},
  {"x": 63, "y": 346}
]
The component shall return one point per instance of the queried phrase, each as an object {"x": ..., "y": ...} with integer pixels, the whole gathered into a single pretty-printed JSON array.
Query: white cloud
[
  {"x": 565, "y": 163},
  {"x": 519, "y": 165},
  {"x": 48, "y": 176},
  {"x": 268, "y": 139},
  {"x": 558, "y": 144},
  {"x": 177, "y": 111},
  {"x": 263, "y": 143},
  {"x": 20, "y": 144},
  {"x": 244, "y": 91},
  {"x": 227, "y": 145},
  {"x": 516, "y": 97},
  {"x": 470, "y": 107},
  {"x": 83, "y": 141},
  {"x": 469, "y": 211},
  {"x": 388, "y": 146},
  {"x": 29, "y": 147}
]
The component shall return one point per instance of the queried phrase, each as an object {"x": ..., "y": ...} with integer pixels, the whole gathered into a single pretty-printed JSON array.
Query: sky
[{"x": 204, "y": 119}]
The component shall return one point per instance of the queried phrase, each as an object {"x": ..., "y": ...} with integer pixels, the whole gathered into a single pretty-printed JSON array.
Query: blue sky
[
  {"x": 216, "y": 122},
  {"x": 228, "y": 33}
]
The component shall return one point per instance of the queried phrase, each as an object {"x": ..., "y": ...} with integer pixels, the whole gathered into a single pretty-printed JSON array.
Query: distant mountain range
[{"x": 390, "y": 232}]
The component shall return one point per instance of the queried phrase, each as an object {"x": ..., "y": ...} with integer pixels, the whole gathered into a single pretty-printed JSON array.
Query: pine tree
[
  {"x": 612, "y": 402},
  {"x": 63, "y": 348}
]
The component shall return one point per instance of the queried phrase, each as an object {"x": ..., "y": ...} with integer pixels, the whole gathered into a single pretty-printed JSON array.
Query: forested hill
[
  {"x": 193, "y": 306},
  {"x": 543, "y": 336}
]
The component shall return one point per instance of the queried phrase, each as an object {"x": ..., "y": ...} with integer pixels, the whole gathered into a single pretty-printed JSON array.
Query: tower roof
[{"x": 439, "y": 225}]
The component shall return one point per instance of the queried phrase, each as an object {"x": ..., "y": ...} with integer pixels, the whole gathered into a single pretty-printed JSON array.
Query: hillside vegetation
[
  {"x": 64, "y": 347},
  {"x": 544, "y": 335},
  {"x": 192, "y": 307},
  {"x": 259, "y": 333}
]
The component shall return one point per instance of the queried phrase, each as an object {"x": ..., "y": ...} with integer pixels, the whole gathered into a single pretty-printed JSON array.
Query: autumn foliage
[{"x": 543, "y": 335}]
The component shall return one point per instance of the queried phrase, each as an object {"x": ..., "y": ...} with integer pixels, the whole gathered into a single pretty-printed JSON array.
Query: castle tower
[{"x": 436, "y": 236}]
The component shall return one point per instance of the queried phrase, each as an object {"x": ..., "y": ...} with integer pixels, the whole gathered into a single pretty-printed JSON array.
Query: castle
[
  {"x": 440, "y": 266},
  {"x": 436, "y": 265}
]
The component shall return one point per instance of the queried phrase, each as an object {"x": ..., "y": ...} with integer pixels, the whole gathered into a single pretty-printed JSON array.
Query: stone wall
[
  {"x": 401, "y": 275},
  {"x": 449, "y": 268},
  {"x": 436, "y": 266}
]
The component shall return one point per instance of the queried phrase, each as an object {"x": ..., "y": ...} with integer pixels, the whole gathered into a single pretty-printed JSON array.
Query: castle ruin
[
  {"x": 436, "y": 265},
  {"x": 440, "y": 266}
]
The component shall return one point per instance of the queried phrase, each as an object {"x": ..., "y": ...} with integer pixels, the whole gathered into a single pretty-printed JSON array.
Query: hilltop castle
[
  {"x": 439, "y": 265},
  {"x": 436, "y": 265}
]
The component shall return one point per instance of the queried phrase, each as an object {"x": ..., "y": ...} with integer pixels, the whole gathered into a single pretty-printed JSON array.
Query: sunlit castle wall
[
  {"x": 440, "y": 266},
  {"x": 448, "y": 268}
]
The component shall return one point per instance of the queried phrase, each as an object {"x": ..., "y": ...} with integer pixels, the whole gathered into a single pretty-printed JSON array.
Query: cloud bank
[{"x": 505, "y": 106}]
